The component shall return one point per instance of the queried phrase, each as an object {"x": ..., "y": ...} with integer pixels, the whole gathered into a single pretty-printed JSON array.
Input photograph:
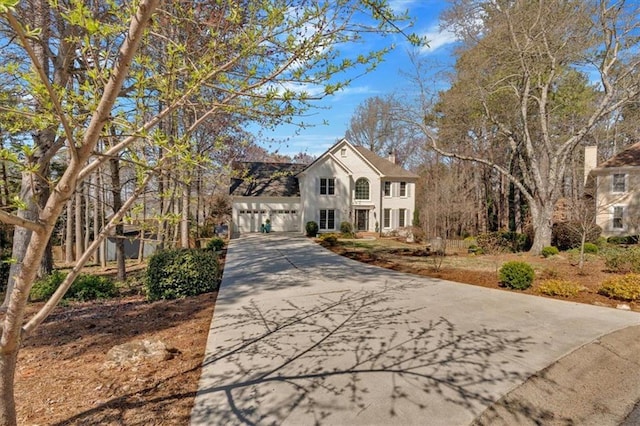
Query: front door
[{"x": 362, "y": 220}]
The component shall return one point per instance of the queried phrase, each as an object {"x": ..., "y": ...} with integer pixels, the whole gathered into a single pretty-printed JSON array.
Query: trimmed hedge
[{"x": 173, "y": 274}]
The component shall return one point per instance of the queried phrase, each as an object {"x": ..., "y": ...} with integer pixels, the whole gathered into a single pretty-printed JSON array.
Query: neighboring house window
[
  {"x": 403, "y": 189},
  {"x": 327, "y": 219},
  {"x": 619, "y": 182},
  {"x": 362, "y": 189},
  {"x": 386, "y": 218},
  {"x": 618, "y": 217},
  {"x": 401, "y": 217},
  {"x": 343, "y": 152},
  {"x": 387, "y": 189},
  {"x": 327, "y": 186}
]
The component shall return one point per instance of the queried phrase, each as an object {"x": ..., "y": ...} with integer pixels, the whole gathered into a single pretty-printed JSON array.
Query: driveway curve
[{"x": 303, "y": 336}]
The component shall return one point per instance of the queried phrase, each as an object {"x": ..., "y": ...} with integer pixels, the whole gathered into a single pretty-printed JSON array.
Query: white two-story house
[{"x": 345, "y": 184}]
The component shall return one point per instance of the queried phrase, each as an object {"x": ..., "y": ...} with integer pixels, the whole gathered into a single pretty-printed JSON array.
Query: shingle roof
[
  {"x": 627, "y": 157},
  {"x": 384, "y": 166},
  {"x": 256, "y": 179}
]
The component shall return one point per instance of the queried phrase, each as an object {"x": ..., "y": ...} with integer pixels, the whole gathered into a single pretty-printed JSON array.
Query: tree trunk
[
  {"x": 21, "y": 236},
  {"x": 78, "y": 222},
  {"x": 8, "y": 362},
  {"x": 184, "y": 222},
  {"x": 117, "y": 205},
  {"x": 96, "y": 214},
  {"x": 68, "y": 243},
  {"x": 541, "y": 218},
  {"x": 87, "y": 213}
]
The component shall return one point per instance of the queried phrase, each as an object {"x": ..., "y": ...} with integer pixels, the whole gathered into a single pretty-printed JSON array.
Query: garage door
[
  {"x": 250, "y": 220},
  {"x": 287, "y": 220}
]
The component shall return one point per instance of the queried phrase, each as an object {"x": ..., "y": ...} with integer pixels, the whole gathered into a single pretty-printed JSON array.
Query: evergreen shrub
[
  {"x": 346, "y": 228},
  {"x": 561, "y": 288},
  {"x": 516, "y": 275},
  {"x": 626, "y": 287},
  {"x": 312, "y": 228},
  {"x": 622, "y": 259},
  {"x": 568, "y": 235},
  {"x": 84, "y": 287},
  {"x": 177, "y": 273},
  {"x": 215, "y": 244},
  {"x": 549, "y": 251}
]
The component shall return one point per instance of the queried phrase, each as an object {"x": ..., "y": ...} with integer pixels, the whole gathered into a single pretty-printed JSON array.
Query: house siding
[
  {"x": 314, "y": 201},
  {"x": 607, "y": 199}
]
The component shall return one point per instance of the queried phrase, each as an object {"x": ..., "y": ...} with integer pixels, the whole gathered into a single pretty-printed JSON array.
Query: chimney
[
  {"x": 590, "y": 160},
  {"x": 392, "y": 157}
]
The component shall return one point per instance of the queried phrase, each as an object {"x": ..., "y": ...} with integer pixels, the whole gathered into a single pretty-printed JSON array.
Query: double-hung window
[
  {"x": 327, "y": 219},
  {"x": 387, "y": 189},
  {"x": 618, "y": 217},
  {"x": 619, "y": 182},
  {"x": 327, "y": 186},
  {"x": 402, "y": 214},
  {"x": 403, "y": 189},
  {"x": 386, "y": 218}
]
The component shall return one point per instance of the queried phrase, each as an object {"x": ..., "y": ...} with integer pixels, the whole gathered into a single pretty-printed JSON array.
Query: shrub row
[{"x": 85, "y": 287}]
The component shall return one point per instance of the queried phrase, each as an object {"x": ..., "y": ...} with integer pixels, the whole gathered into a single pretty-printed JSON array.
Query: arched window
[{"x": 362, "y": 189}]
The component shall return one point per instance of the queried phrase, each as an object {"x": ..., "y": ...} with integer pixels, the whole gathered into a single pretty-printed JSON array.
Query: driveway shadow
[{"x": 350, "y": 354}]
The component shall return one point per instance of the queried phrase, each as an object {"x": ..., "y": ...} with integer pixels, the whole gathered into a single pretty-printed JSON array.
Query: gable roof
[
  {"x": 380, "y": 165},
  {"x": 265, "y": 179},
  {"x": 627, "y": 158},
  {"x": 384, "y": 166}
]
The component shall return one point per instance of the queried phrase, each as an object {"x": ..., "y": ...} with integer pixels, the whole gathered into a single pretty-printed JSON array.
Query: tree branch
[{"x": 19, "y": 221}]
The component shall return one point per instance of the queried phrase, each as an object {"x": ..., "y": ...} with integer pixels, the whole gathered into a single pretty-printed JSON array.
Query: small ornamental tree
[{"x": 90, "y": 81}]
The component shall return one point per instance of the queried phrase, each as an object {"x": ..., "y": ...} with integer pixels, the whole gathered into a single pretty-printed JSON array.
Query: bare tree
[{"x": 522, "y": 76}]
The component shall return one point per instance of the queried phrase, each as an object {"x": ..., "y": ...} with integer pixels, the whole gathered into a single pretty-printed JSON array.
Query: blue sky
[{"x": 387, "y": 78}]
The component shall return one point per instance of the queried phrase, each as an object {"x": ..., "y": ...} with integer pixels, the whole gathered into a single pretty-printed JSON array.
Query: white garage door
[
  {"x": 285, "y": 220},
  {"x": 282, "y": 219},
  {"x": 250, "y": 220}
]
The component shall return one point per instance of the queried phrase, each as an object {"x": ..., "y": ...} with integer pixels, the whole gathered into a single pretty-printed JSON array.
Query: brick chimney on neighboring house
[
  {"x": 392, "y": 156},
  {"x": 590, "y": 160}
]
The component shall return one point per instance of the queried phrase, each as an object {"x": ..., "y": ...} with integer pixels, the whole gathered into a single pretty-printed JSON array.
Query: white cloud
[{"x": 437, "y": 38}]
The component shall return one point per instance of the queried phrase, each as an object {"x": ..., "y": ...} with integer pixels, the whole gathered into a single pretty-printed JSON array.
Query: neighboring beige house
[
  {"x": 346, "y": 183},
  {"x": 616, "y": 184}
]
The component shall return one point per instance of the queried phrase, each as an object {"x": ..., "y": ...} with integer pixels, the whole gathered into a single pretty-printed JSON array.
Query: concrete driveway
[{"x": 301, "y": 336}]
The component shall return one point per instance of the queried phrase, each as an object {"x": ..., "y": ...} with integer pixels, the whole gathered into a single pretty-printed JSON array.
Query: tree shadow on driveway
[{"x": 351, "y": 357}]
